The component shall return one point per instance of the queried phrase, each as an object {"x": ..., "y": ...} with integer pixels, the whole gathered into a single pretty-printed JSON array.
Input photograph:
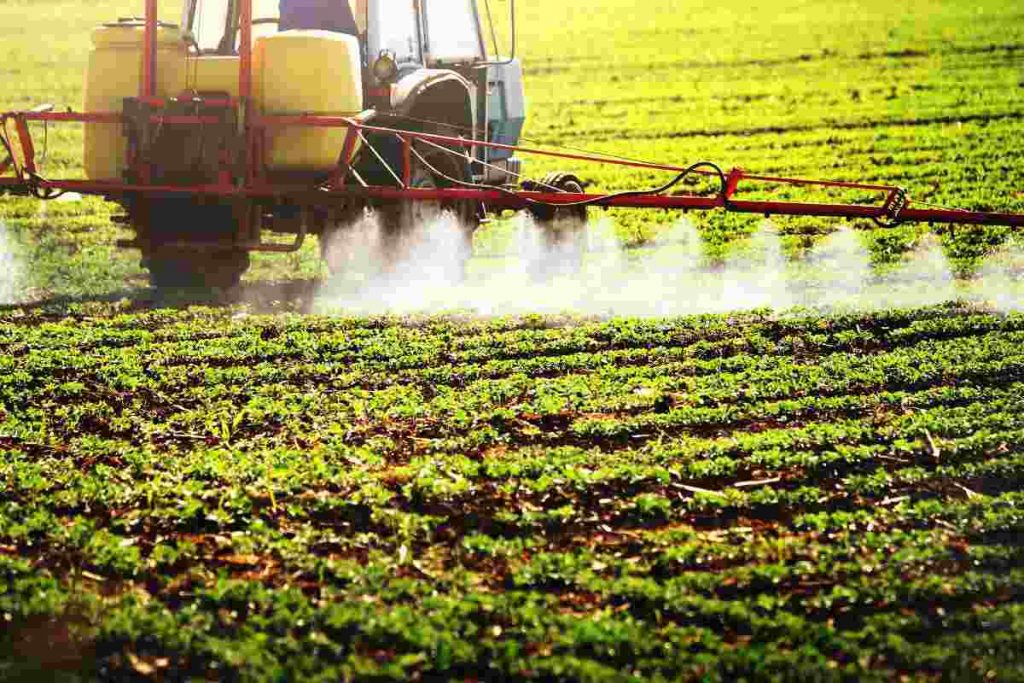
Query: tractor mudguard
[
  {"x": 437, "y": 95},
  {"x": 425, "y": 100}
]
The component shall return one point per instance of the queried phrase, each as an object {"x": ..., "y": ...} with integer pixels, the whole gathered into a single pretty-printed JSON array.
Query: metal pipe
[
  {"x": 245, "y": 89},
  {"x": 245, "y": 49},
  {"x": 184, "y": 120},
  {"x": 28, "y": 150},
  {"x": 149, "y": 65},
  {"x": 518, "y": 200},
  {"x": 340, "y": 175},
  {"x": 76, "y": 117}
]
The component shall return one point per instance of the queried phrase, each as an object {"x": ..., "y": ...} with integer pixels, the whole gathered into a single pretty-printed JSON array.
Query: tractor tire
[
  {"x": 562, "y": 229},
  {"x": 561, "y": 182},
  {"x": 174, "y": 220}
]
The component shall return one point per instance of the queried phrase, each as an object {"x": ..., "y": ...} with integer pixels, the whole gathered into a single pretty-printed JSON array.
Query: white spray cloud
[
  {"x": 10, "y": 269},
  {"x": 591, "y": 273},
  {"x": 1000, "y": 282},
  {"x": 923, "y": 278},
  {"x": 757, "y": 276},
  {"x": 422, "y": 272},
  {"x": 835, "y": 272}
]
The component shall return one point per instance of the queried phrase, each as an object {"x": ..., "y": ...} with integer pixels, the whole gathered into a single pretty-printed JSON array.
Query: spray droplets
[
  {"x": 10, "y": 269},
  {"x": 589, "y": 272},
  {"x": 377, "y": 271},
  {"x": 1001, "y": 280}
]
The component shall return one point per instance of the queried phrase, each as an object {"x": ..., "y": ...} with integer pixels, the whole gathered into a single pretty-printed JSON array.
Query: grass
[{"x": 205, "y": 492}]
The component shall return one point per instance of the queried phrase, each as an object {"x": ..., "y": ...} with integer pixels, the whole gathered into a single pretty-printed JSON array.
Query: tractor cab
[
  {"x": 443, "y": 32},
  {"x": 414, "y": 32},
  {"x": 211, "y": 26},
  {"x": 425, "y": 63}
]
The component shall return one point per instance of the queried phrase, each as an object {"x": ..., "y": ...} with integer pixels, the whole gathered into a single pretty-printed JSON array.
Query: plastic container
[
  {"x": 114, "y": 73},
  {"x": 213, "y": 74},
  {"x": 306, "y": 72}
]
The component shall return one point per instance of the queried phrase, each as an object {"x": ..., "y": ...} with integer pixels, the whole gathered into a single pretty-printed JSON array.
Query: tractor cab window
[
  {"x": 214, "y": 23},
  {"x": 266, "y": 19},
  {"x": 266, "y": 12},
  {"x": 453, "y": 31},
  {"x": 208, "y": 21},
  {"x": 393, "y": 26}
]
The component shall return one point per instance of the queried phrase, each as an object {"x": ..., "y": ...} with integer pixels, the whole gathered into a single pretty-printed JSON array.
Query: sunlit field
[{"x": 248, "y": 491}]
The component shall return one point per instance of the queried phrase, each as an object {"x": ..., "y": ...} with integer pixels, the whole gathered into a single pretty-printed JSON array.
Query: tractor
[{"x": 415, "y": 65}]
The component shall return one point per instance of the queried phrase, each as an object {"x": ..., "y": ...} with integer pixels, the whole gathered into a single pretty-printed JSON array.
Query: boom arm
[{"x": 895, "y": 208}]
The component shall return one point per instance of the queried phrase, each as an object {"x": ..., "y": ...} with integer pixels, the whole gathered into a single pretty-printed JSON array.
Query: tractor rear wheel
[
  {"x": 173, "y": 234},
  {"x": 562, "y": 229},
  {"x": 558, "y": 182},
  {"x": 399, "y": 221}
]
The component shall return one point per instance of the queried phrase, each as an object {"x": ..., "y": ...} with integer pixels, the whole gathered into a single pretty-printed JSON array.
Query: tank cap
[{"x": 136, "y": 22}]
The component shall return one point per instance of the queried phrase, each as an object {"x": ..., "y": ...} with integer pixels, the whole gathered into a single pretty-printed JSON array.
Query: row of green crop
[
  {"x": 856, "y": 462},
  {"x": 93, "y": 329},
  {"x": 254, "y": 361},
  {"x": 595, "y": 383}
]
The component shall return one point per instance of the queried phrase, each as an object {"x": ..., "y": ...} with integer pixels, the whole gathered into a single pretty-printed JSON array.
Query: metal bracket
[
  {"x": 732, "y": 181},
  {"x": 897, "y": 201},
  {"x": 250, "y": 246}
]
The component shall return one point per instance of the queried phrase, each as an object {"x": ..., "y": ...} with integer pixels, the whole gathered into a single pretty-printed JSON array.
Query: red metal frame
[
  {"x": 253, "y": 160},
  {"x": 893, "y": 208},
  {"x": 149, "y": 64},
  {"x": 27, "y": 147},
  {"x": 499, "y": 199}
]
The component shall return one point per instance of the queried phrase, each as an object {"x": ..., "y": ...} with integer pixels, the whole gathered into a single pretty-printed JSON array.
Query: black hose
[{"x": 596, "y": 201}]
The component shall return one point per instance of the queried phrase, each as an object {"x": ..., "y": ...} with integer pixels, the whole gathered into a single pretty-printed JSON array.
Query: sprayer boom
[{"x": 894, "y": 206}]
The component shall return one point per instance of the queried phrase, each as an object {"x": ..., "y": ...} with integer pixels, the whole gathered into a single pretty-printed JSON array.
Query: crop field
[
  {"x": 200, "y": 493},
  {"x": 257, "y": 493}
]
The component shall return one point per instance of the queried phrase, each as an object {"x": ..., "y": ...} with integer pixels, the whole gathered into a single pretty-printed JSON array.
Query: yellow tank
[
  {"x": 307, "y": 72},
  {"x": 114, "y": 73},
  {"x": 213, "y": 74}
]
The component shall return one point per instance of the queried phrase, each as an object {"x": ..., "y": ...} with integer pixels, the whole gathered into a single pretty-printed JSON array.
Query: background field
[{"x": 207, "y": 492}]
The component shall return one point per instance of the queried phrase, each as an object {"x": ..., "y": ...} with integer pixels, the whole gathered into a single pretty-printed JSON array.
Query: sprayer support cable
[
  {"x": 468, "y": 158},
  {"x": 596, "y": 201},
  {"x": 383, "y": 163}
]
